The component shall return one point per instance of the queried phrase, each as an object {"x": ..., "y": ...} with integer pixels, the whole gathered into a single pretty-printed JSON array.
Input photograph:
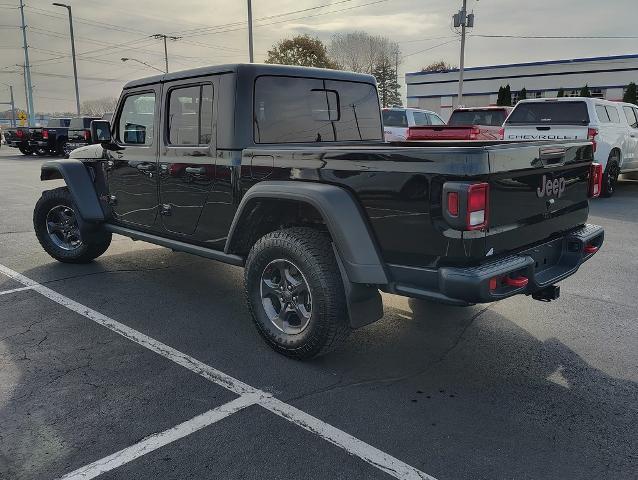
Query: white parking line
[
  {"x": 347, "y": 442},
  {"x": 14, "y": 290},
  {"x": 157, "y": 440}
]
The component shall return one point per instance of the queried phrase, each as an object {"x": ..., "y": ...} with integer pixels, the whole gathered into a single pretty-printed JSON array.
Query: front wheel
[
  {"x": 295, "y": 293},
  {"x": 56, "y": 226},
  {"x": 610, "y": 178}
]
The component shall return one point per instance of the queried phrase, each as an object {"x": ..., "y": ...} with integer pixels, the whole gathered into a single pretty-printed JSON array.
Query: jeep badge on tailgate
[{"x": 551, "y": 187}]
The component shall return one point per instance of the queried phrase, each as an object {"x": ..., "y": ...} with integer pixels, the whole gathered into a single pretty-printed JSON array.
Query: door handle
[
  {"x": 146, "y": 167},
  {"x": 195, "y": 170}
]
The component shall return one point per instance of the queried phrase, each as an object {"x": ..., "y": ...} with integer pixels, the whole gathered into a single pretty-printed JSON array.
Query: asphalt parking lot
[{"x": 145, "y": 364}]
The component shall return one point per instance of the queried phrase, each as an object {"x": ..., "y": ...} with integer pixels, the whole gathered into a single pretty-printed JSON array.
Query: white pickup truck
[{"x": 611, "y": 126}]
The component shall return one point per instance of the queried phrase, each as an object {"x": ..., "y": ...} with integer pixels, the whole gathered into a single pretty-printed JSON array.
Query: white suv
[
  {"x": 397, "y": 120},
  {"x": 611, "y": 126}
]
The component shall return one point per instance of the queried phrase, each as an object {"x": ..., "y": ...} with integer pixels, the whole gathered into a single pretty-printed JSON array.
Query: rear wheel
[
  {"x": 295, "y": 293},
  {"x": 62, "y": 149},
  {"x": 610, "y": 178},
  {"x": 25, "y": 150},
  {"x": 56, "y": 226}
]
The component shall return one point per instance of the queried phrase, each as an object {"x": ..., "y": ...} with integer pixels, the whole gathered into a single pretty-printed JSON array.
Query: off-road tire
[
  {"x": 25, "y": 151},
  {"x": 612, "y": 171},
  {"x": 87, "y": 251},
  {"x": 311, "y": 252}
]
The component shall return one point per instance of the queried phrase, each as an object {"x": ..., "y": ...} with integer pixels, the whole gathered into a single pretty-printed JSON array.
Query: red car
[{"x": 476, "y": 123}]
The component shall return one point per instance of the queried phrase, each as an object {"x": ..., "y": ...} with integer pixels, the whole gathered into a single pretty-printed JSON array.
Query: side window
[
  {"x": 136, "y": 121},
  {"x": 613, "y": 114},
  {"x": 436, "y": 120},
  {"x": 190, "y": 115},
  {"x": 183, "y": 116},
  {"x": 630, "y": 113},
  {"x": 421, "y": 118},
  {"x": 602, "y": 114},
  {"x": 206, "y": 130}
]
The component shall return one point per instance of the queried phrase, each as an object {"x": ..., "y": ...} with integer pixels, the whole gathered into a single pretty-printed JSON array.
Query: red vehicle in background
[{"x": 475, "y": 123}]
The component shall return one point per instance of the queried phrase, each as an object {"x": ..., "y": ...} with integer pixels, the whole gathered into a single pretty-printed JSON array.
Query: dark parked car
[
  {"x": 284, "y": 171},
  {"x": 79, "y": 134},
  {"x": 50, "y": 140}
]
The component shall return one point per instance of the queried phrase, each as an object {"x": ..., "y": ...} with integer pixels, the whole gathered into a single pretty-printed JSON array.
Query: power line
[{"x": 561, "y": 37}]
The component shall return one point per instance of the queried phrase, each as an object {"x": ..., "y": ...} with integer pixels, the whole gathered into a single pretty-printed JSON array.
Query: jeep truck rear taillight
[
  {"x": 474, "y": 133},
  {"x": 87, "y": 135},
  {"x": 19, "y": 133},
  {"x": 45, "y": 134},
  {"x": 592, "y": 133},
  {"x": 595, "y": 179},
  {"x": 466, "y": 205}
]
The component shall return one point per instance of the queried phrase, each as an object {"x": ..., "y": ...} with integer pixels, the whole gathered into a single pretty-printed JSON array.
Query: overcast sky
[{"x": 108, "y": 30}]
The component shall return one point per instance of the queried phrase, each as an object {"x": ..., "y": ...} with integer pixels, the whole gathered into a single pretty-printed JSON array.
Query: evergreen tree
[
  {"x": 561, "y": 92},
  {"x": 385, "y": 72},
  {"x": 504, "y": 98},
  {"x": 631, "y": 95},
  {"x": 522, "y": 95},
  {"x": 584, "y": 92}
]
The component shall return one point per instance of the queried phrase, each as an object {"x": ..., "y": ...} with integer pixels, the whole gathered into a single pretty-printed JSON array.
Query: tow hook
[{"x": 547, "y": 294}]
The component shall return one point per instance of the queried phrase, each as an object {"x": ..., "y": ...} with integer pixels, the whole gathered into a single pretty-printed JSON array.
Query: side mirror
[{"x": 101, "y": 131}]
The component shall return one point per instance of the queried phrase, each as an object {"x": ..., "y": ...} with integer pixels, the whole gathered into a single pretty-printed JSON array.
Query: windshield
[
  {"x": 395, "y": 118},
  {"x": 493, "y": 118},
  {"x": 550, "y": 113}
]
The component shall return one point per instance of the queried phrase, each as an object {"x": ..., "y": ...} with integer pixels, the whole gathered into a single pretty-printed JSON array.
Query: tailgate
[
  {"x": 35, "y": 134},
  {"x": 545, "y": 132},
  {"x": 76, "y": 136},
  {"x": 536, "y": 191}
]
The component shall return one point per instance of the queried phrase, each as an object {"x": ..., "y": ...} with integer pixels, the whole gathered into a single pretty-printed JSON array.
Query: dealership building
[{"x": 606, "y": 77}]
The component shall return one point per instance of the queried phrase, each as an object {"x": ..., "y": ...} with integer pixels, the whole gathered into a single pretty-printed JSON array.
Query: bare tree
[
  {"x": 99, "y": 106},
  {"x": 362, "y": 52}
]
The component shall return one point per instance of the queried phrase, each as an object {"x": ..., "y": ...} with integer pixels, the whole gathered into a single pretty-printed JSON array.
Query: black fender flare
[
  {"x": 80, "y": 185},
  {"x": 342, "y": 215}
]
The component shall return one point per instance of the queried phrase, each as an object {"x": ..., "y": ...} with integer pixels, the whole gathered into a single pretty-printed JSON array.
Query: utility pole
[
  {"x": 463, "y": 20},
  {"x": 250, "y": 31},
  {"x": 27, "y": 68},
  {"x": 26, "y": 90},
  {"x": 75, "y": 68},
  {"x": 165, "y": 37},
  {"x": 13, "y": 107}
]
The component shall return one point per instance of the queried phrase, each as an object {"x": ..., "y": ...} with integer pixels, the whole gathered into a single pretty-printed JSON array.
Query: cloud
[{"x": 406, "y": 23}]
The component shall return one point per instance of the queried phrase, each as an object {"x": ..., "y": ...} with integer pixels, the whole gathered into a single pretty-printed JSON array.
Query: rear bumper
[
  {"x": 39, "y": 143},
  {"x": 542, "y": 265}
]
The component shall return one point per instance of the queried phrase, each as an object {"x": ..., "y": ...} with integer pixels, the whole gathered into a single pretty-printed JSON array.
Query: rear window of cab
[
  {"x": 307, "y": 110},
  {"x": 550, "y": 113}
]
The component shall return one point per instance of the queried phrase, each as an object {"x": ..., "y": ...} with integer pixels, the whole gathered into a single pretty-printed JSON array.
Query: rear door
[
  {"x": 536, "y": 191},
  {"x": 548, "y": 120},
  {"x": 187, "y": 155}
]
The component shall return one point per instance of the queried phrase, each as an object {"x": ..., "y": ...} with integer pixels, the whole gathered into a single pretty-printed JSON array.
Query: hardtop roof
[{"x": 255, "y": 70}]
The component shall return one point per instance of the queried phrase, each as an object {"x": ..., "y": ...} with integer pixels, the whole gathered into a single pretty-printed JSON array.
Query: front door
[
  {"x": 132, "y": 166},
  {"x": 187, "y": 155}
]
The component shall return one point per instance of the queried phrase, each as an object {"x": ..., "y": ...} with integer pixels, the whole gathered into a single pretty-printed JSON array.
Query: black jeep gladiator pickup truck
[{"x": 283, "y": 170}]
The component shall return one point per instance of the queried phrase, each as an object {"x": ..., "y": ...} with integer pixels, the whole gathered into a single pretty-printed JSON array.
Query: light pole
[
  {"x": 75, "y": 67},
  {"x": 126, "y": 59},
  {"x": 250, "y": 31}
]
